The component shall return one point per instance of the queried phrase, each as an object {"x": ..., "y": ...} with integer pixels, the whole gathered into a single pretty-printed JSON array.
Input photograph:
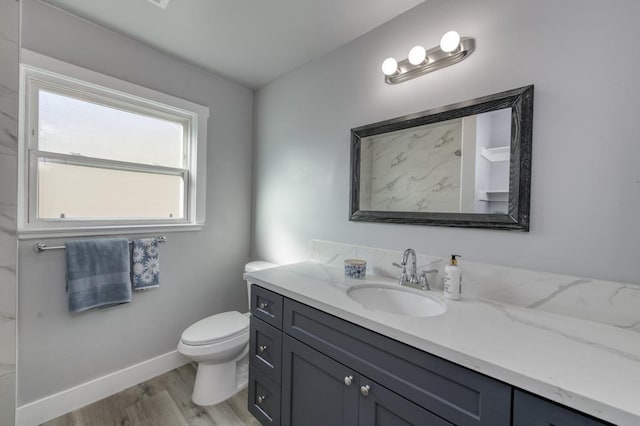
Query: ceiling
[{"x": 249, "y": 41}]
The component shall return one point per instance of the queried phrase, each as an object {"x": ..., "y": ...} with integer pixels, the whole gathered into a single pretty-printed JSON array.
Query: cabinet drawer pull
[
  {"x": 348, "y": 380},
  {"x": 262, "y": 348},
  {"x": 364, "y": 390},
  {"x": 264, "y": 305},
  {"x": 261, "y": 399}
]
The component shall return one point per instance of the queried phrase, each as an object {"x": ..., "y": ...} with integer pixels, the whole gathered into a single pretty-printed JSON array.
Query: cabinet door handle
[
  {"x": 264, "y": 305},
  {"x": 262, "y": 348},
  {"x": 348, "y": 380},
  {"x": 364, "y": 390},
  {"x": 261, "y": 399}
]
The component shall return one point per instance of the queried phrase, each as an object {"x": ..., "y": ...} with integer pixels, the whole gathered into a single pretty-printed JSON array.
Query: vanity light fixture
[{"x": 420, "y": 61}]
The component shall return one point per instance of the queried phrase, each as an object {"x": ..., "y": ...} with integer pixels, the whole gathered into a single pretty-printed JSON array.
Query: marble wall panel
[
  {"x": 8, "y": 96},
  {"x": 7, "y": 399},
  {"x": 9, "y": 82}
]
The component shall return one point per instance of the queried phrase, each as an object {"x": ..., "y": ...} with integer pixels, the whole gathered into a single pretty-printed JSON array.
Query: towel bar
[{"x": 40, "y": 247}]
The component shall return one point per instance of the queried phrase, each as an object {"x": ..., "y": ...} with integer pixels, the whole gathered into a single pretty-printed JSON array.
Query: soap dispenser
[{"x": 453, "y": 279}]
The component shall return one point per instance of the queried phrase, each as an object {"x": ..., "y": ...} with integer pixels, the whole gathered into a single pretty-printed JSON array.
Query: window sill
[{"x": 95, "y": 231}]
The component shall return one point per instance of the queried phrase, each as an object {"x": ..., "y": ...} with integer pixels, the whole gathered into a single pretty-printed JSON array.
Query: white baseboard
[{"x": 50, "y": 407}]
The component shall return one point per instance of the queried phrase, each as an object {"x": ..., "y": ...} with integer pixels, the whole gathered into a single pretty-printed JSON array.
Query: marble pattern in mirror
[{"x": 416, "y": 169}]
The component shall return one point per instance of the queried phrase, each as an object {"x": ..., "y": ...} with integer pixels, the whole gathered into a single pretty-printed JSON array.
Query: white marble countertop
[{"x": 591, "y": 367}]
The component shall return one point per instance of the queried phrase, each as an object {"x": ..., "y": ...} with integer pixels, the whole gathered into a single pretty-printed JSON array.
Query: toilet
[{"x": 220, "y": 346}]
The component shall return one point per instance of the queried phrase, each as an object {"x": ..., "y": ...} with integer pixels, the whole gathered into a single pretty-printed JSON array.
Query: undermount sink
[{"x": 396, "y": 300}]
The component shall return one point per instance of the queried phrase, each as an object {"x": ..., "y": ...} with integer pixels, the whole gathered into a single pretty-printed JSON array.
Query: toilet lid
[{"x": 215, "y": 328}]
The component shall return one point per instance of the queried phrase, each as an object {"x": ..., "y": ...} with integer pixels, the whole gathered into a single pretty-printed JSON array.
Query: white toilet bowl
[
  {"x": 220, "y": 346},
  {"x": 217, "y": 343}
]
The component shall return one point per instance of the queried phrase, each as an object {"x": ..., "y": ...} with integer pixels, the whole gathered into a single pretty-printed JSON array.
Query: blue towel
[
  {"x": 146, "y": 264},
  {"x": 98, "y": 273}
]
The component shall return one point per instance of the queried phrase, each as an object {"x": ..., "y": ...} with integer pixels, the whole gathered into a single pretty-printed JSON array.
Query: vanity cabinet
[
  {"x": 529, "y": 410},
  {"x": 322, "y": 391},
  {"x": 336, "y": 373},
  {"x": 451, "y": 392},
  {"x": 310, "y": 368}
]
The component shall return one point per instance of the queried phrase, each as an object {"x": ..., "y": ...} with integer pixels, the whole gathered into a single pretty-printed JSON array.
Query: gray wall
[
  {"x": 586, "y": 179},
  {"x": 9, "y": 35},
  {"x": 201, "y": 272}
]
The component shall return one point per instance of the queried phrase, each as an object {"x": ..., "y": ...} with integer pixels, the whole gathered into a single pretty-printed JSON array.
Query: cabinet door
[
  {"x": 529, "y": 410},
  {"x": 316, "y": 390},
  {"x": 381, "y": 407}
]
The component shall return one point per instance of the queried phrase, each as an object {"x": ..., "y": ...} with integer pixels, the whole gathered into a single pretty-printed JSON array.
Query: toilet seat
[{"x": 217, "y": 328}]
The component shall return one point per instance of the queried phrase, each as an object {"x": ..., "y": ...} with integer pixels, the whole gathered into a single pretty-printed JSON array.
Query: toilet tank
[{"x": 252, "y": 267}]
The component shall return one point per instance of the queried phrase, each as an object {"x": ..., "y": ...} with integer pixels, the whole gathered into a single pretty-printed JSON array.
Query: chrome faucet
[{"x": 409, "y": 280}]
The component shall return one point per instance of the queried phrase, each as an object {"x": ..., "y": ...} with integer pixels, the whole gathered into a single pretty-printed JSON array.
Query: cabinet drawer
[
  {"x": 457, "y": 394},
  {"x": 265, "y": 349},
  {"x": 264, "y": 398},
  {"x": 266, "y": 305},
  {"x": 529, "y": 410}
]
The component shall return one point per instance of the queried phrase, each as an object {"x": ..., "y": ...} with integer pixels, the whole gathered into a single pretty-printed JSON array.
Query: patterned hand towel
[
  {"x": 146, "y": 264},
  {"x": 98, "y": 273}
]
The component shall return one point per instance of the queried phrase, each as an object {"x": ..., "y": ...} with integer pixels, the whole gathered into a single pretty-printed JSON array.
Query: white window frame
[{"x": 41, "y": 72}]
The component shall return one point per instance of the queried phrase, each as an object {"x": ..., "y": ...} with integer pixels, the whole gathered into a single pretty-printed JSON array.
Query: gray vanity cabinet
[
  {"x": 321, "y": 366},
  {"x": 451, "y": 392},
  {"x": 529, "y": 410},
  {"x": 310, "y": 368},
  {"x": 319, "y": 391}
]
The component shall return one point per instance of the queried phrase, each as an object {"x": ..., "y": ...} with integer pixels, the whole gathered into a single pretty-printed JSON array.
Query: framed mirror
[{"x": 464, "y": 165}]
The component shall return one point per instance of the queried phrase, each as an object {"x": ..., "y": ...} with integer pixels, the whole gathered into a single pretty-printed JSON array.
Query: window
[{"x": 95, "y": 157}]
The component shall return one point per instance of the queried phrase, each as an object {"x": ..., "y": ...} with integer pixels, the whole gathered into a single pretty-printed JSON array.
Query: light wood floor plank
[
  {"x": 179, "y": 384},
  {"x": 223, "y": 415},
  {"x": 159, "y": 410},
  {"x": 239, "y": 406},
  {"x": 61, "y": 421},
  {"x": 162, "y": 401},
  {"x": 136, "y": 394},
  {"x": 102, "y": 413}
]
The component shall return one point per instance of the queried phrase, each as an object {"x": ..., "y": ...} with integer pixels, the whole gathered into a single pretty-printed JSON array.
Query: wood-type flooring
[{"x": 162, "y": 401}]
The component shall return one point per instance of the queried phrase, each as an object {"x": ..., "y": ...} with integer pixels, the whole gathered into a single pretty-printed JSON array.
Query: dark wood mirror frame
[{"x": 517, "y": 218}]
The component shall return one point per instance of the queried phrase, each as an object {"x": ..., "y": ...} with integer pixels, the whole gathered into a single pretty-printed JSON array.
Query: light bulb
[
  {"x": 389, "y": 66},
  {"x": 417, "y": 55},
  {"x": 450, "y": 41}
]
